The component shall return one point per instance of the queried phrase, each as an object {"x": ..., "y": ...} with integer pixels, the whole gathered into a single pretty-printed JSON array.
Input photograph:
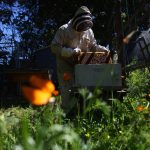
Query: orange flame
[
  {"x": 55, "y": 93},
  {"x": 36, "y": 96},
  {"x": 41, "y": 83},
  {"x": 41, "y": 92}
]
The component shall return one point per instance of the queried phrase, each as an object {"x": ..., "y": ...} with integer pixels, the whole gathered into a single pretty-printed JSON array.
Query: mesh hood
[
  {"x": 82, "y": 9},
  {"x": 82, "y": 19}
]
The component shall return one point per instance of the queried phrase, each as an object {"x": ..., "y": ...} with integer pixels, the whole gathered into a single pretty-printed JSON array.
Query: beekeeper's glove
[
  {"x": 77, "y": 50},
  {"x": 68, "y": 52}
]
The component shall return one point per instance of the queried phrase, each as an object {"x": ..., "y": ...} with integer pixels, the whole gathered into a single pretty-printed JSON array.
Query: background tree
[{"x": 36, "y": 21}]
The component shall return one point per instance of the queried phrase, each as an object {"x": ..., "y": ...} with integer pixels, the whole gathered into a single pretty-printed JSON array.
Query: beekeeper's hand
[{"x": 68, "y": 52}]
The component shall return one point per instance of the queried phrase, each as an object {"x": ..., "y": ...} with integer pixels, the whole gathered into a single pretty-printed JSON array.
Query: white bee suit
[{"x": 66, "y": 42}]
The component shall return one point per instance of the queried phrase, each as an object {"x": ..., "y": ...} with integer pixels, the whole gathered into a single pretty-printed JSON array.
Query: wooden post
[{"x": 119, "y": 32}]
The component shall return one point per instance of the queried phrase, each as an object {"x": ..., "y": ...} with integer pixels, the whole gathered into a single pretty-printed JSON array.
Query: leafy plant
[{"x": 118, "y": 125}]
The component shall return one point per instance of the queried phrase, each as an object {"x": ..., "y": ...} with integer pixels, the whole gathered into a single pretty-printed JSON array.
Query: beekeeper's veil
[{"x": 82, "y": 19}]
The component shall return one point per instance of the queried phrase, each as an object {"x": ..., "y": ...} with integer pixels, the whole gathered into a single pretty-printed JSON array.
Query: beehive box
[
  {"x": 92, "y": 58},
  {"x": 98, "y": 75}
]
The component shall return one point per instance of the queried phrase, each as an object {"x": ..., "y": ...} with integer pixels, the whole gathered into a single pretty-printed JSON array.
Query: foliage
[
  {"x": 119, "y": 125},
  {"x": 36, "y": 21},
  {"x": 9, "y": 125},
  {"x": 138, "y": 83}
]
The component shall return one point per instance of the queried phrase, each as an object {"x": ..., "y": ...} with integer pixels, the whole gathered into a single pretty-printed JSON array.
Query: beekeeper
[{"x": 70, "y": 39}]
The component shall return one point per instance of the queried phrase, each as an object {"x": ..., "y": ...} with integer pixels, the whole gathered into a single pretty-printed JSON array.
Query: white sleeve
[
  {"x": 57, "y": 42},
  {"x": 92, "y": 40}
]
